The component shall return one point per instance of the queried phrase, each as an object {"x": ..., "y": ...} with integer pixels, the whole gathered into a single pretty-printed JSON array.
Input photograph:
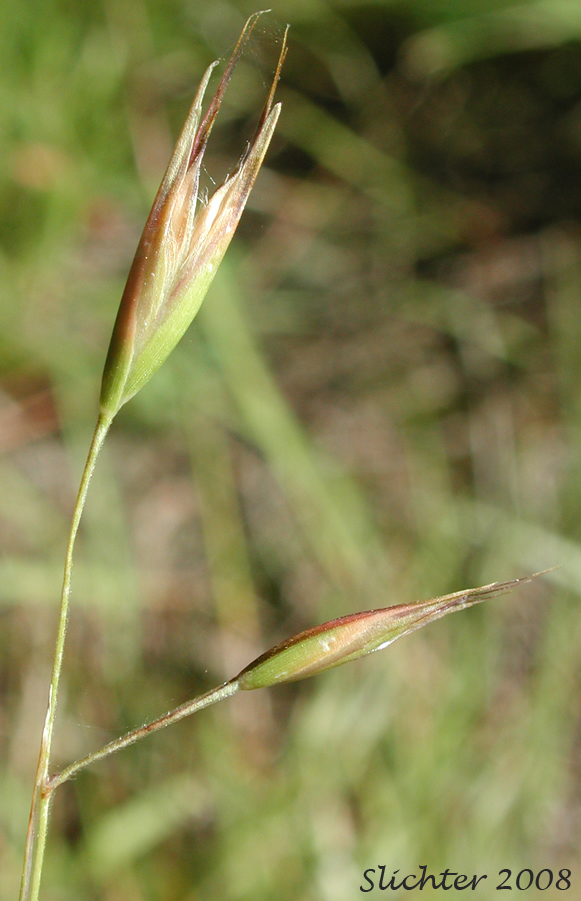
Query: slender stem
[
  {"x": 205, "y": 700},
  {"x": 37, "y": 826}
]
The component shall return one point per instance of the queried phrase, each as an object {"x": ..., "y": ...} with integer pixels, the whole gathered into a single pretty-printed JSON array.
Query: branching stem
[{"x": 205, "y": 700}]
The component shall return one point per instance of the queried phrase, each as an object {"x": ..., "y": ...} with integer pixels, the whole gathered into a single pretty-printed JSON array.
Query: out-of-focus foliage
[{"x": 378, "y": 403}]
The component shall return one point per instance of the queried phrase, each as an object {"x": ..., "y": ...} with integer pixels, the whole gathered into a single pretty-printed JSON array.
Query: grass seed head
[
  {"x": 350, "y": 637},
  {"x": 181, "y": 246}
]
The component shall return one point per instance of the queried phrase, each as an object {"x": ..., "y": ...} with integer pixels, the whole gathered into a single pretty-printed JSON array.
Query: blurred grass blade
[
  {"x": 520, "y": 27},
  {"x": 328, "y": 505},
  {"x": 133, "y": 829}
]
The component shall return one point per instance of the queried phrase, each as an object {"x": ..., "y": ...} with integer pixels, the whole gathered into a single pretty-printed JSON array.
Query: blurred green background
[{"x": 379, "y": 402}]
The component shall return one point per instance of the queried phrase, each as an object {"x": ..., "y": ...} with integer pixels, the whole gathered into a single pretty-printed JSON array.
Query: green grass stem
[
  {"x": 38, "y": 821},
  {"x": 206, "y": 700}
]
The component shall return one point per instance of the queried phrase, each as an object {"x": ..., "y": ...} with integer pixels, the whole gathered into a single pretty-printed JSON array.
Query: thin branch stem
[
  {"x": 37, "y": 825},
  {"x": 205, "y": 700}
]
